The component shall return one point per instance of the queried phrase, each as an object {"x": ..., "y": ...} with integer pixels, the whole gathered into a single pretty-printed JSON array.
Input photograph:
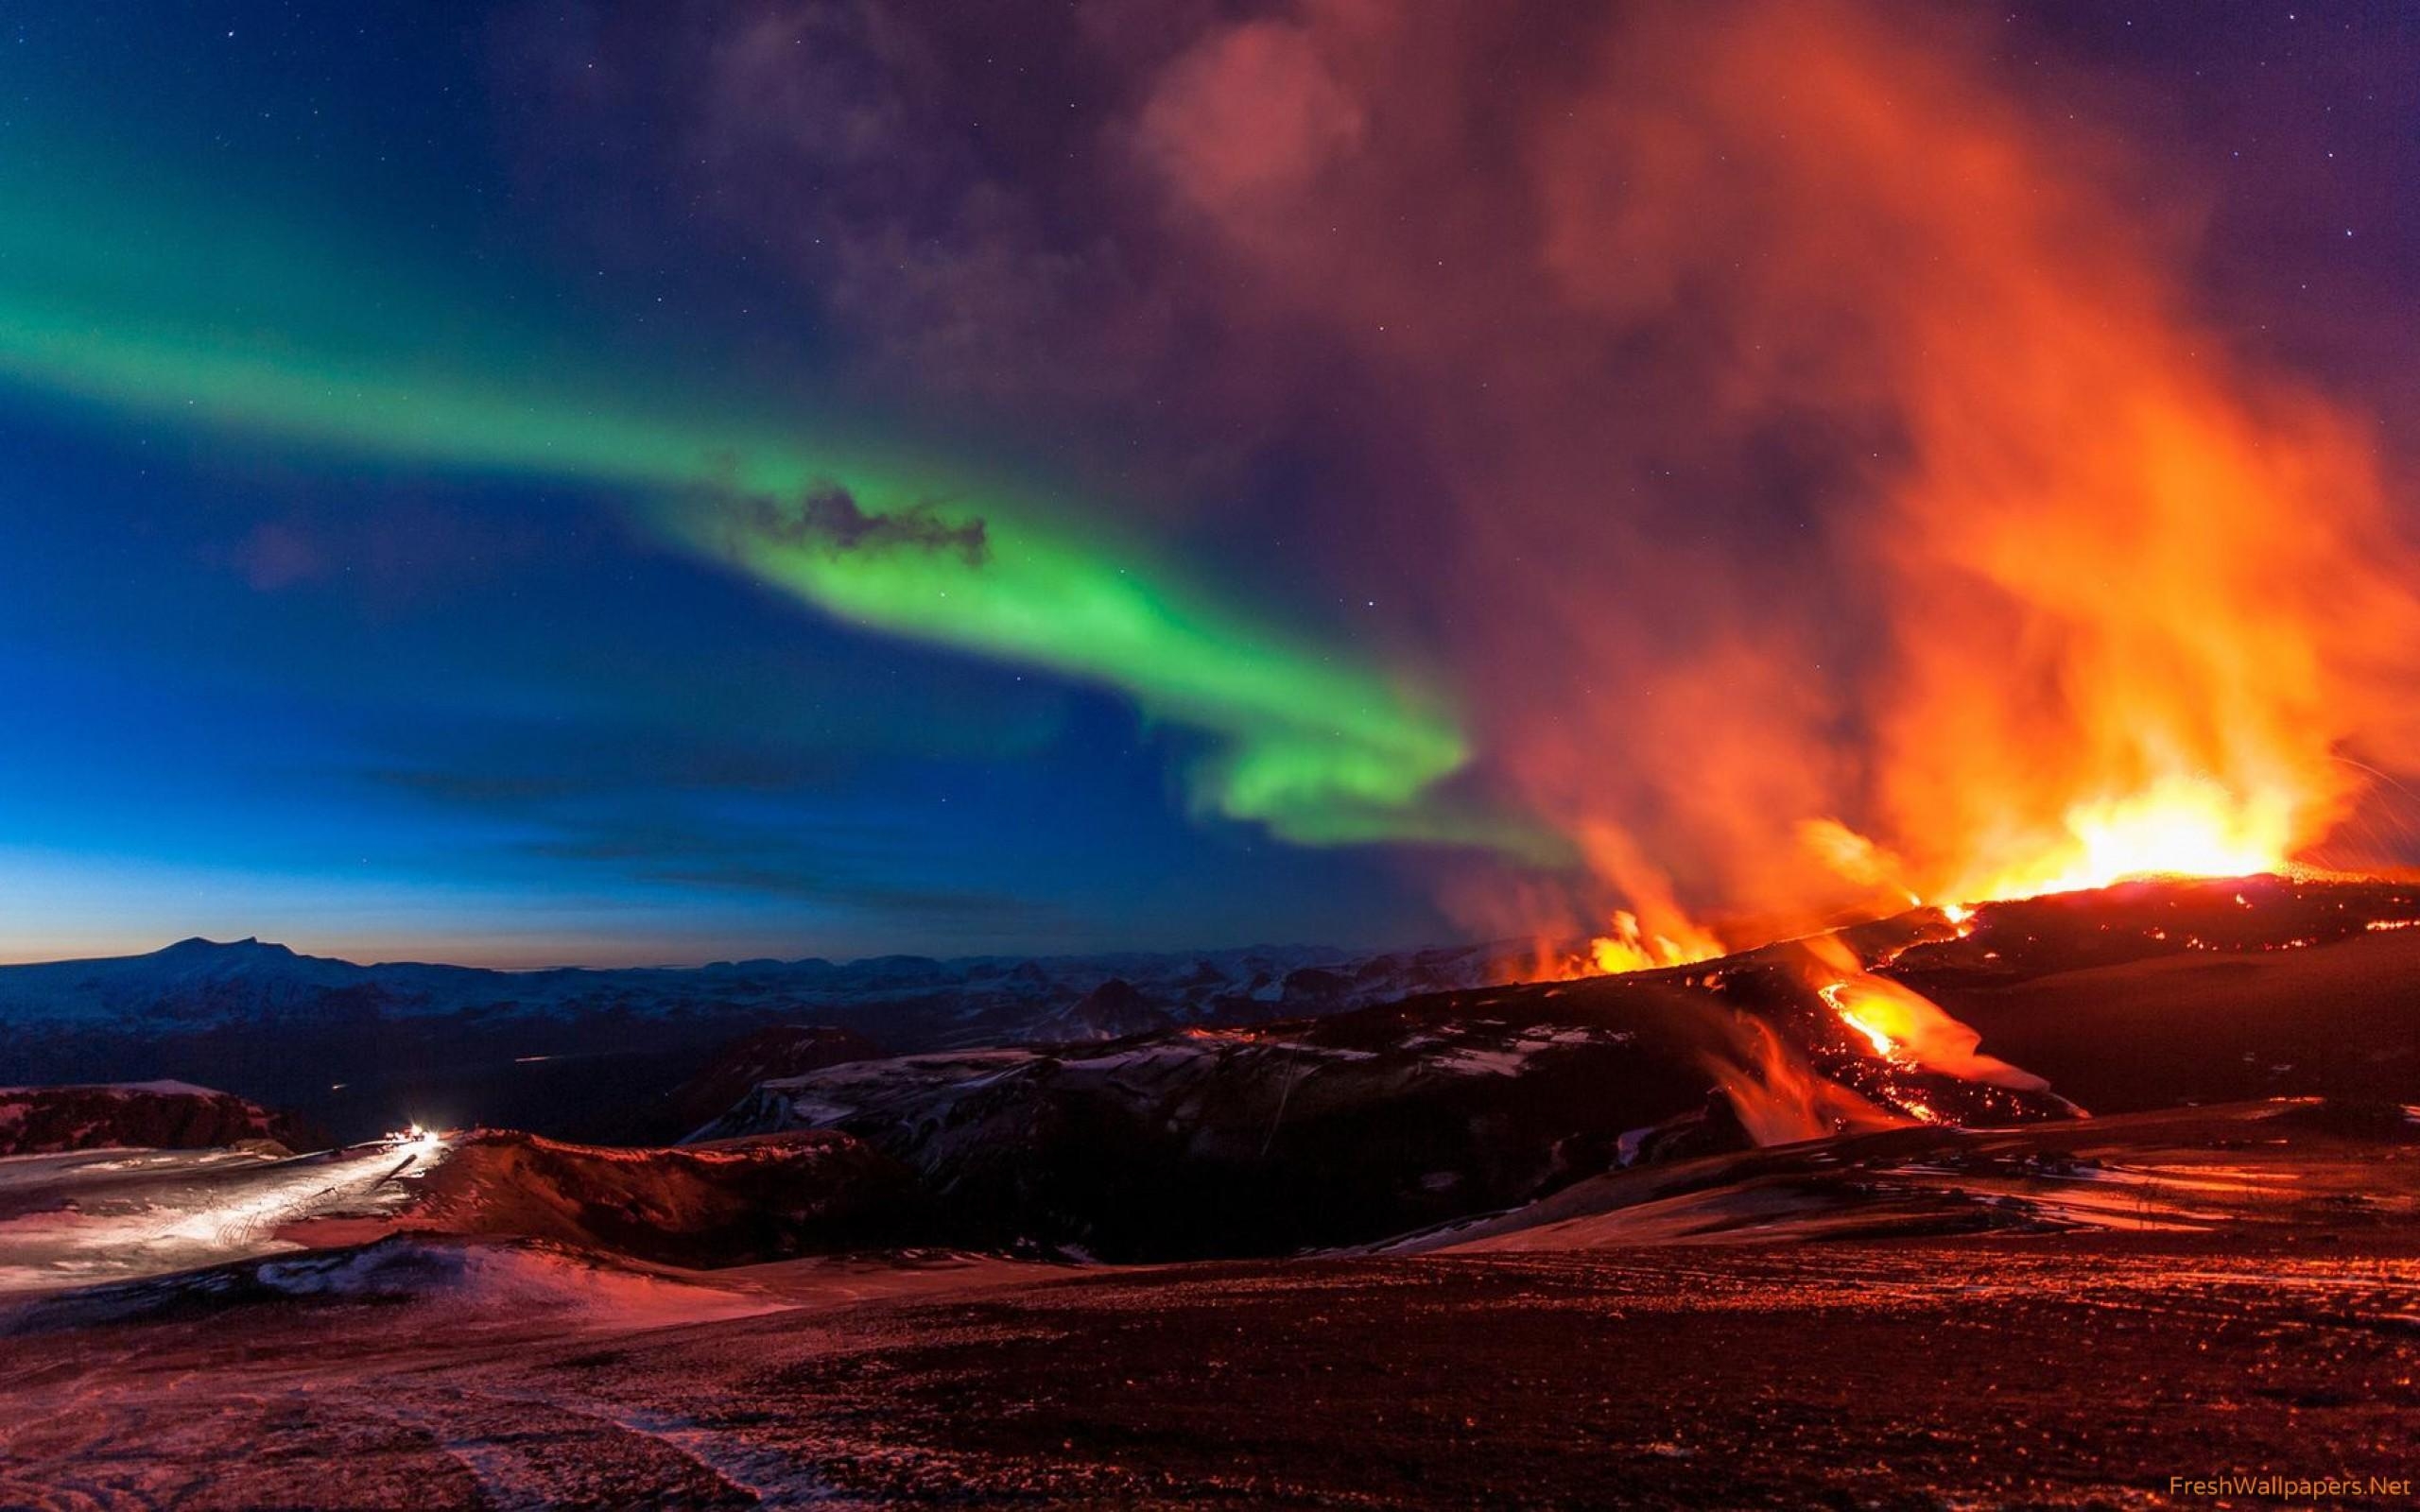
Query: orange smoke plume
[
  {"x": 1847, "y": 500},
  {"x": 2130, "y": 599}
]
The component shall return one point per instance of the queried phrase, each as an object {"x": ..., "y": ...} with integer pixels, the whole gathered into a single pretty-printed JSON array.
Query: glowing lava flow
[
  {"x": 1782, "y": 1094},
  {"x": 1907, "y": 1029},
  {"x": 1875, "y": 1035}
]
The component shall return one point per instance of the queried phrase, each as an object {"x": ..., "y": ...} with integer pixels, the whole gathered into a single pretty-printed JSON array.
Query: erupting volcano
[
  {"x": 1194, "y": 753},
  {"x": 2095, "y": 591}
]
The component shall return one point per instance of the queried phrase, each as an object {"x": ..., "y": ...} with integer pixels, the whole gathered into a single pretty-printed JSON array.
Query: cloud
[{"x": 826, "y": 515}]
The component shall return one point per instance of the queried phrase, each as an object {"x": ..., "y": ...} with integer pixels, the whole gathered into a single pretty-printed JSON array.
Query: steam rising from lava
[
  {"x": 1902, "y": 1051},
  {"x": 1777, "y": 1096}
]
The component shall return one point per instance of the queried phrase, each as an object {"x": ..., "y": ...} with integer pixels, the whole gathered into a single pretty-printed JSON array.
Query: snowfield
[{"x": 84, "y": 1217}]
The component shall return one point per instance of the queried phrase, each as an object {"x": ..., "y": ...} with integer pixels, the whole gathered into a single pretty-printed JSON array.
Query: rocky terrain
[
  {"x": 2178, "y": 1295},
  {"x": 1197, "y": 1142},
  {"x": 165, "y": 1115},
  {"x": 733, "y": 1203},
  {"x": 1702, "y": 1236},
  {"x": 784, "y": 1050}
]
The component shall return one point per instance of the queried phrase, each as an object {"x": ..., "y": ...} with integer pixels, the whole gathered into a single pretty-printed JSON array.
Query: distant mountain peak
[{"x": 199, "y": 946}]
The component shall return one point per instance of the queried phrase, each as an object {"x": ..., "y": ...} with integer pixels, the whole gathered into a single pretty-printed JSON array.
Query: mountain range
[{"x": 589, "y": 1053}]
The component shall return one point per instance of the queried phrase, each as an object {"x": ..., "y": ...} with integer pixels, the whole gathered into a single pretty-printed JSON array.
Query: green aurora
[{"x": 201, "y": 316}]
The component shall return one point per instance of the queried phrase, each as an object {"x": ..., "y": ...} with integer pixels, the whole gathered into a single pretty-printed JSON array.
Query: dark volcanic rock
[
  {"x": 1114, "y": 1010},
  {"x": 702, "y": 1205},
  {"x": 2149, "y": 994},
  {"x": 1254, "y": 1141},
  {"x": 1381, "y": 1119},
  {"x": 765, "y": 1054},
  {"x": 1315, "y": 988}
]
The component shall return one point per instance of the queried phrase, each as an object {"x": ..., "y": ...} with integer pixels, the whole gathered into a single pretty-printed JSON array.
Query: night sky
[{"x": 666, "y": 482}]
